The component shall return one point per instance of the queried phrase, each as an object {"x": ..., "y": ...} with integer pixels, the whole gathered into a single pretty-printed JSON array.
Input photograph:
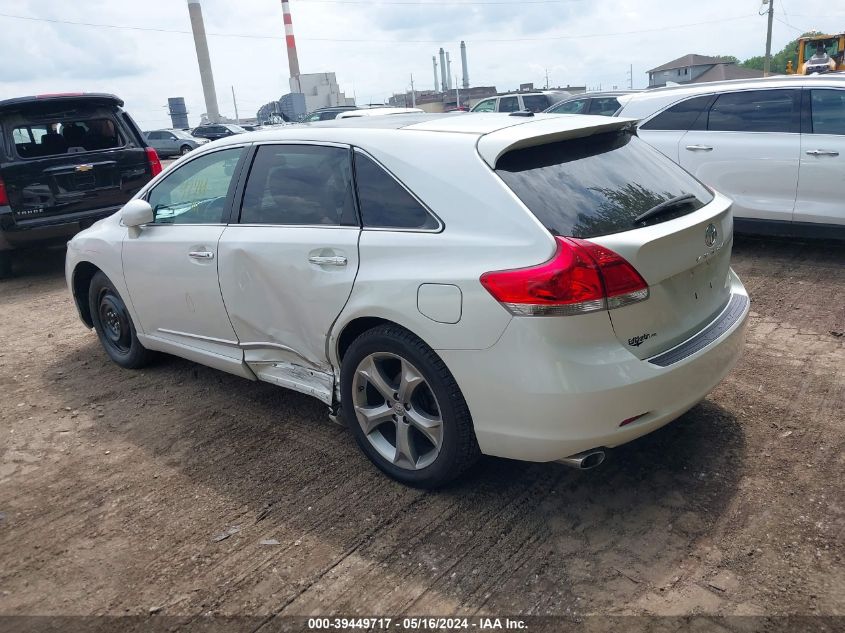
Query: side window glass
[
  {"x": 384, "y": 202},
  {"x": 571, "y": 107},
  {"x": 196, "y": 192},
  {"x": 300, "y": 185},
  {"x": 508, "y": 104},
  {"x": 488, "y": 105},
  {"x": 755, "y": 111},
  {"x": 604, "y": 106},
  {"x": 154, "y": 136},
  {"x": 828, "y": 111},
  {"x": 686, "y": 115},
  {"x": 535, "y": 103}
]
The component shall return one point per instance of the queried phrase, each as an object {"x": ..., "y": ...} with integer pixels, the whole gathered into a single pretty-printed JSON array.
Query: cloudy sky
[{"x": 373, "y": 46}]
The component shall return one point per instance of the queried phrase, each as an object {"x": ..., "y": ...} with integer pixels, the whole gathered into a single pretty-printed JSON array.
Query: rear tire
[
  {"x": 184, "y": 150},
  {"x": 5, "y": 264},
  {"x": 418, "y": 427},
  {"x": 114, "y": 326}
]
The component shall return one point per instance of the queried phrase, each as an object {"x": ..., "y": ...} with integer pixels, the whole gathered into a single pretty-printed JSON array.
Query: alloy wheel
[{"x": 397, "y": 410}]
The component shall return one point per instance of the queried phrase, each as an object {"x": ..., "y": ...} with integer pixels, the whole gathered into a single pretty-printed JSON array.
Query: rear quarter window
[
  {"x": 597, "y": 185},
  {"x": 535, "y": 103},
  {"x": 690, "y": 114}
]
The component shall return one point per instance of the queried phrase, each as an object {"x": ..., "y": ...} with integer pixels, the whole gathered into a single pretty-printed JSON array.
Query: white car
[
  {"x": 775, "y": 146},
  {"x": 532, "y": 287}
]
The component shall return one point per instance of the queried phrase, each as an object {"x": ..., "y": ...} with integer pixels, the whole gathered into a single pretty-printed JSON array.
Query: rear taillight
[
  {"x": 4, "y": 197},
  {"x": 155, "y": 163},
  {"x": 582, "y": 277}
]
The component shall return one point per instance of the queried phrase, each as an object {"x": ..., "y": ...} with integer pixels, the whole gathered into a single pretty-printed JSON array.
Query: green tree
[{"x": 779, "y": 59}]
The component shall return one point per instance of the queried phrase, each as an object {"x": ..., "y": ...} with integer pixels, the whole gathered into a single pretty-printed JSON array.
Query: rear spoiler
[
  {"x": 46, "y": 100},
  {"x": 550, "y": 128}
]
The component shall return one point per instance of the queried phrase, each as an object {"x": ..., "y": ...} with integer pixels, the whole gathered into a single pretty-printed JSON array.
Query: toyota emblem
[{"x": 711, "y": 234}]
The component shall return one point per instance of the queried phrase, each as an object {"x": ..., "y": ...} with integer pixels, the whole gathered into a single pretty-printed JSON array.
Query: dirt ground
[{"x": 118, "y": 487}]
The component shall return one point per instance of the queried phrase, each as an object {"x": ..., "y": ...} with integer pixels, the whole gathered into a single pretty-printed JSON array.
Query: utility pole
[
  {"x": 547, "y": 78},
  {"x": 413, "y": 93},
  {"x": 631, "y": 77},
  {"x": 235, "y": 101},
  {"x": 767, "y": 64}
]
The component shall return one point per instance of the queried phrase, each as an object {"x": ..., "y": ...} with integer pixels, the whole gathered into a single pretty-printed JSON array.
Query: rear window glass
[
  {"x": 50, "y": 138},
  {"x": 599, "y": 184}
]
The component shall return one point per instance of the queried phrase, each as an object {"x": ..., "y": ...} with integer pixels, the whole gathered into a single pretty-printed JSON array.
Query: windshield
[{"x": 181, "y": 134}]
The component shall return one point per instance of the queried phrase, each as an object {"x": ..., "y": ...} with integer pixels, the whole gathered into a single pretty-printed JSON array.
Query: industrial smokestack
[
  {"x": 444, "y": 87},
  {"x": 434, "y": 63},
  {"x": 448, "y": 72},
  {"x": 206, "y": 76},
  {"x": 293, "y": 58},
  {"x": 464, "y": 64}
]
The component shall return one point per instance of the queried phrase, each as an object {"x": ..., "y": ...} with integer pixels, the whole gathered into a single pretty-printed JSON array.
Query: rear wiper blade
[{"x": 665, "y": 207}]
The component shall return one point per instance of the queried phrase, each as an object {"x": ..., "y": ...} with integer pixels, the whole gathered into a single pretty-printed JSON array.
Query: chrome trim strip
[{"x": 211, "y": 339}]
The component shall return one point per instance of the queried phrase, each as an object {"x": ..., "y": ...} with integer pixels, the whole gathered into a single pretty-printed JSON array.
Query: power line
[
  {"x": 421, "y": 3},
  {"x": 376, "y": 41}
]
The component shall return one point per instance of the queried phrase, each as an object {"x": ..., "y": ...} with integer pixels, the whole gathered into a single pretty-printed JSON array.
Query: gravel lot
[{"x": 118, "y": 487}]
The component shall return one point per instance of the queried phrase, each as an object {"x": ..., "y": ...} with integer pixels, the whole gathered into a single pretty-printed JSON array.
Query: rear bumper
[
  {"x": 551, "y": 388},
  {"x": 53, "y": 230}
]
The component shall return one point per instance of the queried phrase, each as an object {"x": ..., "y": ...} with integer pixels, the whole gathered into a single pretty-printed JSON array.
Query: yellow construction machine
[{"x": 819, "y": 54}]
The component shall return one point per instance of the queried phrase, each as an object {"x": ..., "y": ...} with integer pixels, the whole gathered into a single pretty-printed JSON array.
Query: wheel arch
[
  {"x": 354, "y": 328},
  {"x": 83, "y": 273}
]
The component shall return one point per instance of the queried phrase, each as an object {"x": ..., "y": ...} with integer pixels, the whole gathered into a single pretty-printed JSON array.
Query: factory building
[{"x": 320, "y": 90}]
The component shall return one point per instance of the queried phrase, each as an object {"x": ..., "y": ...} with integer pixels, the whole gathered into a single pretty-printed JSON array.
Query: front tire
[
  {"x": 114, "y": 326},
  {"x": 405, "y": 409},
  {"x": 185, "y": 149}
]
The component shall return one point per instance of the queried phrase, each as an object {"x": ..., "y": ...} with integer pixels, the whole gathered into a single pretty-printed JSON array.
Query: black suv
[
  {"x": 66, "y": 161},
  {"x": 216, "y": 131}
]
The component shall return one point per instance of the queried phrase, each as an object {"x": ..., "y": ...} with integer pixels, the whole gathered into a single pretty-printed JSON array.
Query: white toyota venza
[{"x": 537, "y": 287}]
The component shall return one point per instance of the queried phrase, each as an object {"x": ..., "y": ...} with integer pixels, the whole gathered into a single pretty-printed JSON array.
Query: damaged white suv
[{"x": 532, "y": 287}]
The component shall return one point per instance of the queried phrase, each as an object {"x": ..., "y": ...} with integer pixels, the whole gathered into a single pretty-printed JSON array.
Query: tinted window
[
  {"x": 755, "y": 111},
  {"x": 488, "y": 105},
  {"x": 578, "y": 106},
  {"x": 328, "y": 116},
  {"x": 154, "y": 136},
  {"x": 597, "y": 185},
  {"x": 828, "y": 111},
  {"x": 196, "y": 192},
  {"x": 604, "y": 106},
  {"x": 535, "y": 103},
  {"x": 65, "y": 136},
  {"x": 299, "y": 185},
  {"x": 508, "y": 104},
  {"x": 686, "y": 115},
  {"x": 384, "y": 202}
]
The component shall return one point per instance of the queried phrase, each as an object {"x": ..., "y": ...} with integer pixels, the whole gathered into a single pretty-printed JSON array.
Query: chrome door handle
[
  {"x": 822, "y": 152},
  {"x": 699, "y": 148},
  {"x": 201, "y": 255},
  {"x": 322, "y": 260}
]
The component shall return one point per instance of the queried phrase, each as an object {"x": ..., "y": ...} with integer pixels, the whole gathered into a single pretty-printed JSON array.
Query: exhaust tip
[{"x": 584, "y": 461}]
